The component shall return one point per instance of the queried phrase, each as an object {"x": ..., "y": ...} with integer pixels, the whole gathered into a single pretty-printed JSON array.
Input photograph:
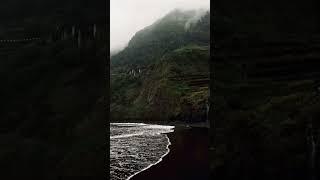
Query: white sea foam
[
  {"x": 128, "y": 124},
  {"x": 136, "y": 147},
  {"x": 168, "y": 150},
  {"x": 126, "y": 135}
]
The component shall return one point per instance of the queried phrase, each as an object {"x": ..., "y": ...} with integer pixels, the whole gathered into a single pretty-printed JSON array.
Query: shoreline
[
  {"x": 176, "y": 124},
  {"x": 187, "y": 157},
  {"x": 160, "y": 159}
]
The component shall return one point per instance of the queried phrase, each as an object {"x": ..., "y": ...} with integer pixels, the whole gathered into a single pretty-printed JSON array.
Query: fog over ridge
[
  {"x": 199, "y": 14},
  {"x": 130, "y": 16}
]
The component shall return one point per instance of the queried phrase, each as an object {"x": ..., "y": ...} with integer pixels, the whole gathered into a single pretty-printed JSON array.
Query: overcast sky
[{"x": 129, "y": 16}]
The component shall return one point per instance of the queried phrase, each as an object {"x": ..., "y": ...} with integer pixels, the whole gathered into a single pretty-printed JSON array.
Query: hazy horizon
[{"x": 128, "y": 17}]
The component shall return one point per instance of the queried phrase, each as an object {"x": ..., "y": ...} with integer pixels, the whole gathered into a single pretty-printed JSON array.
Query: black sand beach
[{"x": 188, "y": 158}]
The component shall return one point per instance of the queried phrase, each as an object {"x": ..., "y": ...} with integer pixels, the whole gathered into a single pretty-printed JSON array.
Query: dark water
[{"x": 188, "y": 158}]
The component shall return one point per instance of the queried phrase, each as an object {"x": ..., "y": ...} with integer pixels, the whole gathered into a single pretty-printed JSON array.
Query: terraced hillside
[{"x": 192, "y": 80}]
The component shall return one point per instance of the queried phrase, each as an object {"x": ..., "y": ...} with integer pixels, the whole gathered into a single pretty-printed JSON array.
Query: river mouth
[{"x": 134, "y": 147}]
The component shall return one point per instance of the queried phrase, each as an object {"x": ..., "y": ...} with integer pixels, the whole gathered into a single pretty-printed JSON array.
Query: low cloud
[
  {"x": 198, "y": 15},
  {"x": 129, "y": 16}
]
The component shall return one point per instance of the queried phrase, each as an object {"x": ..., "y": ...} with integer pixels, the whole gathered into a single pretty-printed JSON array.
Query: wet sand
[{"x": 188, "y": 158}]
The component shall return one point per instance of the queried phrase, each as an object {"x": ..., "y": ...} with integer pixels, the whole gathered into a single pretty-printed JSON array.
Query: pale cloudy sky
[{"x": 129, "y": 16}]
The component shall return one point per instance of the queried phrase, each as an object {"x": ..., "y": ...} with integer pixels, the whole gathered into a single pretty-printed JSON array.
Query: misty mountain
[
  {"x": 114, "y": 52},
  {"x": 162, "y": 73},
  {"x": 164, "y": 35}
]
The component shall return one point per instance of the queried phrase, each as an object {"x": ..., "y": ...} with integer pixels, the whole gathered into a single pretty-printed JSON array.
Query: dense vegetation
[{"x": 162, "y": 74}]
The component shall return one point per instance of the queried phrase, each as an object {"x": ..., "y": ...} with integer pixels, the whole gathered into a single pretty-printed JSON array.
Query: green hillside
[{"x": 163, "y": 73}]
